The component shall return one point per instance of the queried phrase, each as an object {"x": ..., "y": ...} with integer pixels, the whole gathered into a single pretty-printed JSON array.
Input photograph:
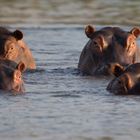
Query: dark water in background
[{"x": 59, "y": 104}]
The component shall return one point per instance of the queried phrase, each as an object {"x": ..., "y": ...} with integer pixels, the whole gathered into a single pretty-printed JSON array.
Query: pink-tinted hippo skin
[
  {"x": 108, "y": 45},
  {"x": 11, "y": 76},
  {"x": 127, "y": 81},
  {"x": 13, "y": 47}
]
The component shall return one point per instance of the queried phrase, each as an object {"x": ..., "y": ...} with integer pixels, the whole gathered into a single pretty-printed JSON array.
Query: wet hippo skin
[
  {"x": 13, "y": 47},
  {"x": 127, "y": 81},
  {"x": 11, "y": 76},
  {"x": 108, "y": 45}
]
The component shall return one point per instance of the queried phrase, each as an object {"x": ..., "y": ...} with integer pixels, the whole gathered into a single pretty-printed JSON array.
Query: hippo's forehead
[
  {"x": 6, "y": 39},
  {"x": 120, "y": 81},
  {"x": 10, "y": 39},
  {"x": 6, "y": 71}
]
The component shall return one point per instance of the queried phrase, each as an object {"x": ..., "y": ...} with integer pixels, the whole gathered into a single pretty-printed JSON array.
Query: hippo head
[
  {"x": 125, "y": 79},
  {"x": 9, "y": 44},
  {"x": 94, "y": 52},
  {"x": 106, "y": 46},
  {"x": 125, "y": 46},
  {"x": 12, "y": 47},
  {"x": 121, "y": 85},
  {"x": 11, "y": 77}
]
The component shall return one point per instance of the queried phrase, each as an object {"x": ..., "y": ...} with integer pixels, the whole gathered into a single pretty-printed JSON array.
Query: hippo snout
[{"x": 19, "y": 88}]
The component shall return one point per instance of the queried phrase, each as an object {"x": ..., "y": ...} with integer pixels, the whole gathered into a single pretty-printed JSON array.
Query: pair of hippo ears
[
  {"x": 89, "y": 30},
  {"x": 17, "y": 34}
]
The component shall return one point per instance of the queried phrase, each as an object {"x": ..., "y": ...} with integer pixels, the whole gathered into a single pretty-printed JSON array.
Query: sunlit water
[{"x": 59, "y": 103}]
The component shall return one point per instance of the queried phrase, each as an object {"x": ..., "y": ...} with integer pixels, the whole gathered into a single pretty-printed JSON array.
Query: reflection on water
[
  {"x": 59, "y": 104},
  {"x": 44, "y": 12}
]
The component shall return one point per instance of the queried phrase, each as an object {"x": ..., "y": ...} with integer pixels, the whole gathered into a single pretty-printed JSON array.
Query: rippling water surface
[{"x": 59, "y": 104}]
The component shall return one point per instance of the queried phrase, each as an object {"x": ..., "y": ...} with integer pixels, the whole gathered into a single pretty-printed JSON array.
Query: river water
[{"x": 58, "y": 102}]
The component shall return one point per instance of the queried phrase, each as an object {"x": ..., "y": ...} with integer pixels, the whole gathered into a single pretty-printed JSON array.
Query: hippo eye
[
  {"x": 119, "y": 82},
  {"x": 95, "y": 43},
  {"x": 133, "y": 43},
  {"x": 11, "y": 47}
]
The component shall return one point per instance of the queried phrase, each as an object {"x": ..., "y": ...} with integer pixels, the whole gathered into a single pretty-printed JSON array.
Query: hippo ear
[
  {"x": 118, "y": 70},
  {"x": 135, "y": 31},
  {"x": 89, "y": 30},
  {"x": 18, "y": 34},
  {"x": 21, "y": 67}
]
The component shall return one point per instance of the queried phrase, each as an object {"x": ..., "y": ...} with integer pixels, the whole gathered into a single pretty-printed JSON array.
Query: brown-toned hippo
[
  {"x": 11, "y": 76},
  {"x": 13, "y": 47},
  {"x": 105, "y": 46},
  {"x": 127, "y": 81}
]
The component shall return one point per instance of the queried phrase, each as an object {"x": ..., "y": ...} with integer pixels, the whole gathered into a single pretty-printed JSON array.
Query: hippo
[
  {"x": 126, "y": 81},
  {"x": 13, "y": 47},
  {"x": 11, "y": 76},
  {"x": 108, "y": 45}
]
